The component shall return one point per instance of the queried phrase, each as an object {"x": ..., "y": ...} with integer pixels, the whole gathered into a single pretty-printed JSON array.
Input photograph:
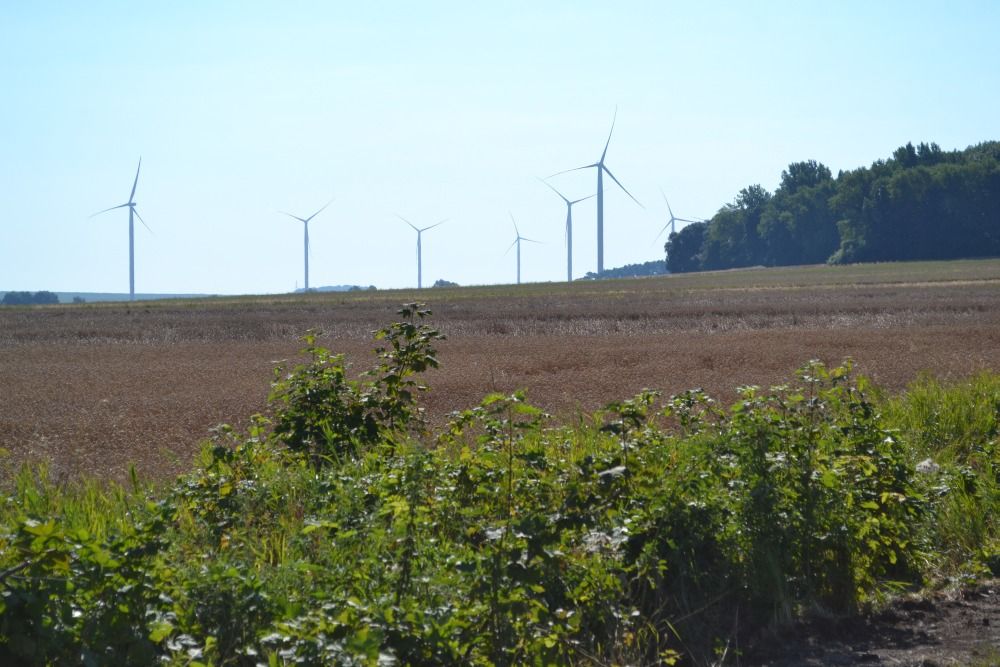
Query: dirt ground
[
  {"x": 93, "y": 389},
  {"x": 958, "y": 628}
]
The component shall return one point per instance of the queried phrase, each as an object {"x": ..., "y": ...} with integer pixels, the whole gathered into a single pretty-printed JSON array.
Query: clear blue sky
[{"x": 440, "y": 110}]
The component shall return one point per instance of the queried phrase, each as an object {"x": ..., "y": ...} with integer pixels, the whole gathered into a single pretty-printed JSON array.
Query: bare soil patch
[{"x": 960, "y": 628}]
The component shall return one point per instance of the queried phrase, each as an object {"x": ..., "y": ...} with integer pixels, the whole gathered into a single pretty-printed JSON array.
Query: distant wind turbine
[
  {"x": 305, "y": 223},
  {"x": 517, "y": 242},
  {"x": 601, "y": 168},
  {"x": 672, "y": 219},
  {"x": 130, "y": 204},
  {"x": 420, "y": 231},
  {"x": 569, "y": 228}
]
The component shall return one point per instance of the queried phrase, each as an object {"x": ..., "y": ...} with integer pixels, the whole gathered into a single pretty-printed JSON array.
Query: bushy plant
[{"x": 321, "y": 412}]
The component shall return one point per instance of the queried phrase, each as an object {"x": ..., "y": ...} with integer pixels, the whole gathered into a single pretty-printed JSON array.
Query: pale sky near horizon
[{"x": 440, "y": 110}]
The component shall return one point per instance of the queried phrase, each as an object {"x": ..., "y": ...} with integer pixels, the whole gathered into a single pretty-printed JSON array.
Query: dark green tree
[
  {"x": 798, "y": 226},
  {"x": 683, "y": 248}
]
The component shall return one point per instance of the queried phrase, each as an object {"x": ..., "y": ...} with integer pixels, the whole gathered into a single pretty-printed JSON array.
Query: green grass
[
  {"x": 956, "y": 427},
  {"x": 338, "y": 531}
]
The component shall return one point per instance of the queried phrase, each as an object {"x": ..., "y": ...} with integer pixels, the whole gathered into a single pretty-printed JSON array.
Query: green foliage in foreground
[{"x": 331, "y": 533}]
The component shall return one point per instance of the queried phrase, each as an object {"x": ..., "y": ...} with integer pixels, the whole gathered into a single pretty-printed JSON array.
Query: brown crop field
[{"x": 93, "y": 388}]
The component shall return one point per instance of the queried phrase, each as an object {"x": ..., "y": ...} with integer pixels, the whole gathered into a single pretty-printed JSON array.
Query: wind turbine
[
  {"x": 569, "y": 228},
  {"x": 132, "y": 213},
  {"x": 672, "y": 219},
  {"x": 601, "y": 168},
  {"x": 517, "y": 242},
  {"x": 420, "y": 231},
  {"x": 305, "y": 223}
]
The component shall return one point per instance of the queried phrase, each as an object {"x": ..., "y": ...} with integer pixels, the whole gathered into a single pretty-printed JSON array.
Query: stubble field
[{"x": 94, "y": 388}]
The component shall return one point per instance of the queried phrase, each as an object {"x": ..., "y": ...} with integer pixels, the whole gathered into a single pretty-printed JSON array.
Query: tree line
[
  {"x": 29, "y": 298},
  {"x": 923, "y": 203}
]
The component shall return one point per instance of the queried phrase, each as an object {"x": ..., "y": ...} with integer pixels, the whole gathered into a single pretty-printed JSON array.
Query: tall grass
[{"x": 954, "y": 429}]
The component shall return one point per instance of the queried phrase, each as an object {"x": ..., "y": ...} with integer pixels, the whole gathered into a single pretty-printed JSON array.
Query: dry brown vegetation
[{"x": 94, "y": 388}]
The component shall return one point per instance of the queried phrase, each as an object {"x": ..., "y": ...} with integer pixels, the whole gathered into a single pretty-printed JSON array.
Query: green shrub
[{"x": 322, "y": 413}]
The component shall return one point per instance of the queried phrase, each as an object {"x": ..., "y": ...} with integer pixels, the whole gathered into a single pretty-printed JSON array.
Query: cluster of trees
[
  {"x": 652, "y": 268},
  {"x": 29, "y": 298},
  {"x": 922, "y": 203}
]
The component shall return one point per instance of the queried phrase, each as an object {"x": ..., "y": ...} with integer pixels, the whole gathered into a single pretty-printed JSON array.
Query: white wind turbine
[
  {"x": 305, "y": 224},
  {"x": 517, "y": 242},
  {"x": 672, "y": 220},
  {"x": 569, "y": 228},
  {"x": 132, "y": 213},
  {"x": 420, "y": 231},
  {"x": 601, "y": 168}
]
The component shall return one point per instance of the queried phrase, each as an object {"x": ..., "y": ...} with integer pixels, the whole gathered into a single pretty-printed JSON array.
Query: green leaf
[
  {"x": 161, "y": 630},
  {"x": 40, "y": 529}
]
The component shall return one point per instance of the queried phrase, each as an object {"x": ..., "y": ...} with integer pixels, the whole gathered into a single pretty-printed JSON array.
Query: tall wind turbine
[
  {"x": 569, "y": 228},
  {"x": 672, "y": 219},
  {"x": 517, "y": 242},
  {"x": 305, "y": 224},
  {"x": 601, "y": 169},
  {"x": 130, "y": 204},
  {"x": 420, "y": 231}
]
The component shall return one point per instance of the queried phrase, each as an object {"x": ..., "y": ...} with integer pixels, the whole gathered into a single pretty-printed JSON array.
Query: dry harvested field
[{"x": 94, "y": 388}]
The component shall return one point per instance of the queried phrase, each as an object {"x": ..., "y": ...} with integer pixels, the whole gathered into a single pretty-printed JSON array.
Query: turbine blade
[
  {"x": 319, "y": 211},
  {"x": 106, "y": 210},
  {"x": 293, "y": 216},
  {"x": 136, "y": 181},
  {"x": 621, "y": 186},
  {"x": 667, "y": 202},
  {"x": 516, "y": 230},
  {"x": 660, "y": 233},
  {"x": 566, "y": 171},
  {"x": 408, "y": 222},
  {"x": 561, "y": 196},
  {"x": 143, "y": 221},
  {"x": 530, "y": 240},
  {"x": 434, "y": 225},
  {"x": 686, "y": 220},
  {"x": 577, "y": 201},
  {"x": 511, "y": 246},
  {"x": 609, "y": 135}
]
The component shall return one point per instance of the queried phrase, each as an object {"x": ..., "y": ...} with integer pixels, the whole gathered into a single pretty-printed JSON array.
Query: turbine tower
[
  {"x": 672, "y": 219},
  {"x": 132, "y": 213},
  {"x": 601, "y": 169},
  {"x": 569, "y": 228},
  {"x": 420, "y": 231},
  {"x": 517, "y": 242},
  {"x": 305, "y": 223}
]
